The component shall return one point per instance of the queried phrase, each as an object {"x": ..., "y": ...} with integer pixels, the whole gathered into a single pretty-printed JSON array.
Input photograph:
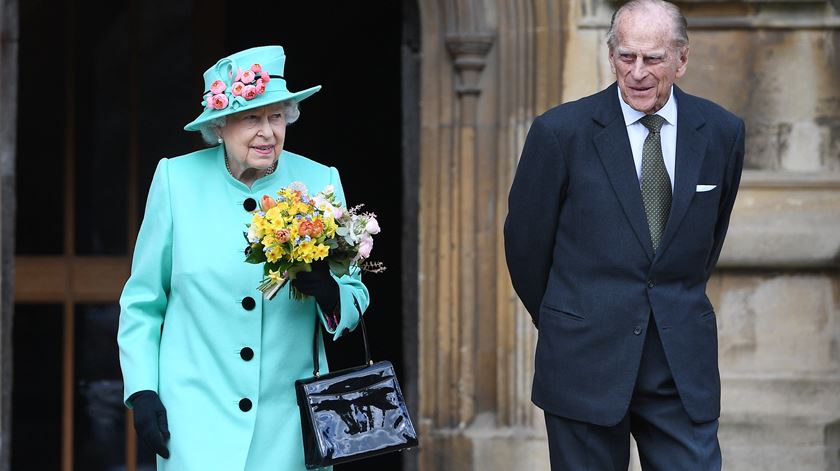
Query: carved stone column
[{"x": 488, "y": 66}]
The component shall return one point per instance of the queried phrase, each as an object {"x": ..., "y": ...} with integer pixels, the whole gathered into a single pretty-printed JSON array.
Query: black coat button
[
  {"x": 651, "y": 284},
  {"x": 245, "y": 405},
  {"x": 250, "y": 204},
  {"x": 637, "y": 330},
  {"x": 248, "y": 303},
  {"x": 246, "y": 353}
]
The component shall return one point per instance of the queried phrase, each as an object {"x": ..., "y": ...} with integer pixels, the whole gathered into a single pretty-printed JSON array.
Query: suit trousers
[{"x": 668, "y": 440}]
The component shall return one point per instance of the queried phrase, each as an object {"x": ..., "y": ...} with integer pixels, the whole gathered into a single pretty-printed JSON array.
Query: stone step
[
  {"x": 812, "y": 397},
  {"x": 752, "y": 442}
]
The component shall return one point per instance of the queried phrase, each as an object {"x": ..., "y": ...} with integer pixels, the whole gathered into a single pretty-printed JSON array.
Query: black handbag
[{"x": 354, "y": 413}]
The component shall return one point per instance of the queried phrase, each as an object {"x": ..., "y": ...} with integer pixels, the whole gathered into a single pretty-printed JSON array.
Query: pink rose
[
  {"x": 265, "y": 77},
  {"x": 256, "y": 68},
  {"x": 283, "y": 235},
  {"x": 247, "y": 76},
  {"x": 260, "y": 87},
  {"x": 249, "y": 92},
  {"x": 236, "y": 88},
  {"x": 208, "y": 101},
  {"x": 372, "y": 226},
  {"x": 217, "y": 87},
  {"x": 219, "y": 101},
  {"x": 365, "y": 246},
  {"x": 267, "y": 203},
  {"x": 238, "y": 75}
]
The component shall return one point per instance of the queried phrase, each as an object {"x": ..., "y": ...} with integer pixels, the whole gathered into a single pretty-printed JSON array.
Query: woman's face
[{"x": 254, "y": 138}]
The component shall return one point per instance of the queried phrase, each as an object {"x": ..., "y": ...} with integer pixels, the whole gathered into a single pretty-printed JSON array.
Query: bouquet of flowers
[{"x": 288, "y": 233}]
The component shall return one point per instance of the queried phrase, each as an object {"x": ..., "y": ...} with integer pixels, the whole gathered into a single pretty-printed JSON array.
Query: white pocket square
[{"x": 701, "y": 188}]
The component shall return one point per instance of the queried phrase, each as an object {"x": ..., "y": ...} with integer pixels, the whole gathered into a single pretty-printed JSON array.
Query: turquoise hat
[{"x": 246, "y": 80}]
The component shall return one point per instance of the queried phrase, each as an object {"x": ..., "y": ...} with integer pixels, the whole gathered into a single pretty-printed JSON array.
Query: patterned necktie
[{"x": 656, "y": 185}]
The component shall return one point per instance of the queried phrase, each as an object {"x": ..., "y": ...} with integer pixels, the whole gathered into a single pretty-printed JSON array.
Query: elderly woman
[{"x": 209, "y": 365}]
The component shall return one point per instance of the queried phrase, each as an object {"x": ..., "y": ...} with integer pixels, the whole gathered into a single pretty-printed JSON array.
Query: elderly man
[{"x": 617, "y": 215}]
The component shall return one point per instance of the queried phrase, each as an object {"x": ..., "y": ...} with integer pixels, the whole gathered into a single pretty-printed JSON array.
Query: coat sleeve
[
  {"x": 145, "y": 295},
  {"x": 727, "y": 201},
  {"x": 536, "y": 197},
  {"x": 353, "y": 294}
]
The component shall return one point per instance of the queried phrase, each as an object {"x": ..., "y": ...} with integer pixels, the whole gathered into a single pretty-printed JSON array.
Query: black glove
[
  {"x": 150, "y": 421},
  {"x": 319, "y": 284}
]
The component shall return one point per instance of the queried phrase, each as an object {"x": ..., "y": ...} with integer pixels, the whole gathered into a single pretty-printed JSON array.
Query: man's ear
[
  {"x": 682, "y": 61},
  {"x": 610, "y": 60}
]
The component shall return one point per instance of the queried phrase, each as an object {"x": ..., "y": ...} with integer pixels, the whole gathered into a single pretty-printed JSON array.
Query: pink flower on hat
[
  {"x": 208, "y": 101},
  {"x": 236, "y": 88},
  {"x": 249, "y": 92},
  {"x": 238, "y": 75},
  {"x": 220, "y": 101},
  {"x": 248, "y": 76},
  {"x": 260, "y": 87},
  {"x": 265, "y": 77},
  {"x": 256, "y": 68},
  {"x": 217, "y": 87}
]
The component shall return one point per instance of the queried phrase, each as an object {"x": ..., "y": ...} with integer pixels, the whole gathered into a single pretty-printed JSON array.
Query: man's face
[{"x": 644, "y": 61}]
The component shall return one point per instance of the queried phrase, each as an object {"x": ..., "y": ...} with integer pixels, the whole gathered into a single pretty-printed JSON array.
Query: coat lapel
[
  {"x": 613, "y": 147},
  {"x": 691, "y": 150}
]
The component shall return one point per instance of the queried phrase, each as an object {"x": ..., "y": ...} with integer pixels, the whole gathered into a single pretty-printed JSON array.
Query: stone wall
[{"x": 489, "y": 67}]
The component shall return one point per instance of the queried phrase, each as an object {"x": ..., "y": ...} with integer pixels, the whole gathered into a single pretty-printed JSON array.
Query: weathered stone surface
[{"x": 786, "y": 220}]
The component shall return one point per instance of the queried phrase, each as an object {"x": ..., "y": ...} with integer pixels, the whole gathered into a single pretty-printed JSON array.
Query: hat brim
[{"x": 267, "y": 98}]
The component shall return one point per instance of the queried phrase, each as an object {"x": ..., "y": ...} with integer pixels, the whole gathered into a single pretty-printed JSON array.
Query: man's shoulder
[{"x": 573, "y": 112}]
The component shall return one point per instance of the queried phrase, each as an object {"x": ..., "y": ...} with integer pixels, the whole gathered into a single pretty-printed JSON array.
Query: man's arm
[
  {"x": 534, "y": 203},
  {"x": 727, "y": 199}
]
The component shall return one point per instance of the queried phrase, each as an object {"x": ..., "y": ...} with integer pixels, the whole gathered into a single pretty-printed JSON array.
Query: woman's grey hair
[
  {"x": 680, "y": 38},
  {"x": 209, "y": 130}
]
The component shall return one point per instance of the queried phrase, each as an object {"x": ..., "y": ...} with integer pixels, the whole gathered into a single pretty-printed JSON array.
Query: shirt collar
[{"x": 669, "y": 111}]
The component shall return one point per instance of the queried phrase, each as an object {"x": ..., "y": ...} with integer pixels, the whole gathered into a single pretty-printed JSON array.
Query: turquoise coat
[{"x": 184, "y": 325}]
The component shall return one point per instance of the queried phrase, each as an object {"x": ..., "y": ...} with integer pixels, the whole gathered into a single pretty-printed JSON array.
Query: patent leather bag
[{"x": 352, "y": 414}]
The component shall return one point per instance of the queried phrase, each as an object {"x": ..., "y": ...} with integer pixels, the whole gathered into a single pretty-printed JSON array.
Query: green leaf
[{"x": 256, "y": 255}]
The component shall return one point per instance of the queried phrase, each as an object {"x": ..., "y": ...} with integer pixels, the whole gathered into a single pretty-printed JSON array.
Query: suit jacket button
[
  {"x": 248, "y": 303},
  {"x": 651, "y": 284},
  {"x": 246, "y": 353},
  {"x": 637, "y": 330},
  {"x": 245, "y": 405},
  {"x": 250, "y": 204}
]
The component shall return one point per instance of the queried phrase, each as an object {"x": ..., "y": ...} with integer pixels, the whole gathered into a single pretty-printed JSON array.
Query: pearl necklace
[{"x": 268, "y": 172}]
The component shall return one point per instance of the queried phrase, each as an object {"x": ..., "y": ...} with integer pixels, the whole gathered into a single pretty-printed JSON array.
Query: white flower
[
  {"x": 252, "y": 234},
  {"x": 372, "y": 226},
  {"x": 298, "y": 186},
  {"x": 328, "y": 190}
]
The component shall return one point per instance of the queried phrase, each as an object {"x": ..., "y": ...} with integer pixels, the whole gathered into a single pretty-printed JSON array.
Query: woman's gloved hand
[
  {"x": 319, "y": 284},
  {"x": 150, "y": 421}
]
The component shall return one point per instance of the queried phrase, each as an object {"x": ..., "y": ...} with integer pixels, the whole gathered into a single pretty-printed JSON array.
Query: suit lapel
[
  {"x": 690, "y": 152},
  {"x": 613, "y": 147}
]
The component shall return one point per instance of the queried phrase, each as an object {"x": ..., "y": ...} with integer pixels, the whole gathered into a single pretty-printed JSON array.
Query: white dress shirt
[{"x": 638, "y": 132}]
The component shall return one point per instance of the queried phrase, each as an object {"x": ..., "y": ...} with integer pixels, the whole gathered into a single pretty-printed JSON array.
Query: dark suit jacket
[{"x": 581, "y": 260}]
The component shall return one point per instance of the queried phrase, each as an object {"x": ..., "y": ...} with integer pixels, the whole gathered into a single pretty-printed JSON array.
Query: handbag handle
[{"x": 368, "y": 361}]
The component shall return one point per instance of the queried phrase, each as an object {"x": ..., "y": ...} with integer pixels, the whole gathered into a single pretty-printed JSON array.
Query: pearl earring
[{"x": 220, "y": 140}]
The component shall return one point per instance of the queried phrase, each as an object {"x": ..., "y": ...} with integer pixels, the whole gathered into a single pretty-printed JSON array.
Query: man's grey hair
[
  {"x": 209, "y": 130},
  {"x": 680, "y": 25}
]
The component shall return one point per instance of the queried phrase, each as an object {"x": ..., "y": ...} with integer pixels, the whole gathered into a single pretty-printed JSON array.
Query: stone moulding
[{"x": 785, "y": 220}]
